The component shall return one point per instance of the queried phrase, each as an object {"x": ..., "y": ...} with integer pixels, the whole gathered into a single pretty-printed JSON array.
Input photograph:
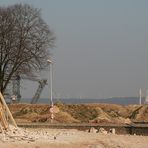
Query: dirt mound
[
  {"x": 63, "y": 117},
  {"x": 82, "y": 113},
  {"x": 30, "y": 112},
  {"x": 39, "y": 113},
  {"x": 101, "y": 116},
  {"x": 140, "y": 114},
  {"x": 110, "y": 117}
]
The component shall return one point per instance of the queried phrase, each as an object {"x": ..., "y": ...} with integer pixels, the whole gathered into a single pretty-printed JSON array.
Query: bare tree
[{"x": 25, "y": 40}]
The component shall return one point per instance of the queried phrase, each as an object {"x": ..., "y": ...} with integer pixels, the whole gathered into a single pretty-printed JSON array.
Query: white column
[
  {"x": 140, "y": 93},
  {"x": 51, "y": 79}
]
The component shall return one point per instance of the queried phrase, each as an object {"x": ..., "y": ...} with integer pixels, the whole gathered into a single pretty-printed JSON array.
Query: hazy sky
[{"x": 101, "y": 47}]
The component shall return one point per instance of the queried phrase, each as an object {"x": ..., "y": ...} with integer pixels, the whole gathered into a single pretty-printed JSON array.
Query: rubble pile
[
  {"x": 20, "y": 134},
  {"x": 13, "y": 134},
  {"x": 102, "y": 130}
]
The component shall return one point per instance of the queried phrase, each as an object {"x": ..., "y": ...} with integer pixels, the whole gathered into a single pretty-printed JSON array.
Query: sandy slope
[
  {"x": 84, "y": 113},
  {"x": 44, "y": 138}
]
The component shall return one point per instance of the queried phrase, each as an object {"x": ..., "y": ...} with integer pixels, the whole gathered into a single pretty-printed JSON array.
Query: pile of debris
[
  {"x": 102, "y": 131},
  {"x": 10, "y": 132},
  {"x": 13, "y": 134}
]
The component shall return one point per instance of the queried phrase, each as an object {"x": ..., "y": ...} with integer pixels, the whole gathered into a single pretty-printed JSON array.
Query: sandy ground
[{"x": 65, "y": 138}]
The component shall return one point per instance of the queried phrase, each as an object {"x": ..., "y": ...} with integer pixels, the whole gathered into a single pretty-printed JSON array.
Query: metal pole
[
  {"x": 51, "y": 77},
  {"x": 51, "y": 97},
  {"x": 140, "y": 93}
]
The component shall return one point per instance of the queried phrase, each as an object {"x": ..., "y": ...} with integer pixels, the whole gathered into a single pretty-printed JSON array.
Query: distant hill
[{"x": 114, "y": 100}]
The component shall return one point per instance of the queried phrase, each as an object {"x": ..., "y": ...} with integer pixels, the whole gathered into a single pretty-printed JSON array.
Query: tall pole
[
  {"x": 140, "y": 93},
  {"x": 51, "y": 79}
]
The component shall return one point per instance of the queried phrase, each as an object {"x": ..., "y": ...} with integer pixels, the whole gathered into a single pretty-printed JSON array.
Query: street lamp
[{"x": 51, "y": 97}]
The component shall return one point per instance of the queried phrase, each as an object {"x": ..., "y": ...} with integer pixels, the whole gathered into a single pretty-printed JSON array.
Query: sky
[{"x": 101, "y": 47}]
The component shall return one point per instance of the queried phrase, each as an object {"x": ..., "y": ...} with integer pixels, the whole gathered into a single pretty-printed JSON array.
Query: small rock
[
  {"x": 102, "y": 130},
  {"x": 92, "y": 130},
  {"x": 112, "y": 130}
]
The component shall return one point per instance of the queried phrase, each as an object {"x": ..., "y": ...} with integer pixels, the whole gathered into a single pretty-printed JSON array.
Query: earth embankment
[{"x": 82, "y": 113}]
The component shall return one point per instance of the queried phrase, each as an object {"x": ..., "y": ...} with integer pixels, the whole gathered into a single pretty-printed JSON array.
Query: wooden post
[
  {"x": 3, "y": 118},
  {"x": 2, "y": 132},
  {"x": 7, "y": 109}
]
